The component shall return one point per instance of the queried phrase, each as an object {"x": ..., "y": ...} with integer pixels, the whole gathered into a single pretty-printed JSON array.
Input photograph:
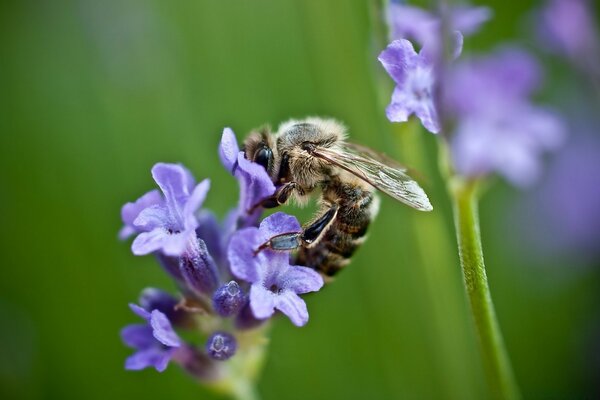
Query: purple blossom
[
  {"x": 255, "y": 183},
  {"x": 497, "y": 128},
  {"x": 509, "y": 145},
  {"x": 156, "y": 299},
  {"x": 275, "y": 284},
  {"x": 568, "y": 27},
  {"x": 567, "y": 204},
  {"x": 413, "y": 23},
  {"x": 416, "y": 81},
  {"x": 155, "y": 341},
  {"x": 481, "y": 85},
  {"x": 170, "y": 226}
]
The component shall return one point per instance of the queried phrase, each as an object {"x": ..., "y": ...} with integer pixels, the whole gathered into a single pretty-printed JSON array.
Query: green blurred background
[{"x": 93, "y": 93}]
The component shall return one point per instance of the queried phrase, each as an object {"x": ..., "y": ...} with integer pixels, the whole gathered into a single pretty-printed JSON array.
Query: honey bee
[{"x": 312, "y": 155}]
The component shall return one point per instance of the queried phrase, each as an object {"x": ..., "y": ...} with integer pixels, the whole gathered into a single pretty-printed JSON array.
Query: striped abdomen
[{"x": 357, "y": 206}]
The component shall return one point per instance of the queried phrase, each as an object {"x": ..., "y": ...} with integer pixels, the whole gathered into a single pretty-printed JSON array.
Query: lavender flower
[
  {"x": 424, "y": 27},
  {"x": 170, "y": 226},
  {"x": 275, "y": 283},
  {"x": 156, "y": 342},
  {"x": 196, "y": 250},
  {"x": 567, "y": 27},
  {"x": 416, "y": 80},
  {"x": 497, "y": 128}
]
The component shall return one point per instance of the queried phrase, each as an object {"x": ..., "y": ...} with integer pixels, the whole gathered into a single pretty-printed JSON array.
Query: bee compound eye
[{"x": 264, "y": 157}]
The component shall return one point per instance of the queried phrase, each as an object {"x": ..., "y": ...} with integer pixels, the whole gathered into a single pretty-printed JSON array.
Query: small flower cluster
[
  {"x": 496, "y": 128},
  {"x": 225, "y": 286}
]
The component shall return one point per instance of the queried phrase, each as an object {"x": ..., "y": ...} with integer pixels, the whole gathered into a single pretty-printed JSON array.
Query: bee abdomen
[{"x": 335, "y": 249}]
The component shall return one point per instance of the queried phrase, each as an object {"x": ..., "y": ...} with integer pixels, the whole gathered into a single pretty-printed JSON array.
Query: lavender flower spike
[
  {"x": 169, "y": 227},
  {"x": 156, "y": 342},
  {"x": 275, "y": 283}
]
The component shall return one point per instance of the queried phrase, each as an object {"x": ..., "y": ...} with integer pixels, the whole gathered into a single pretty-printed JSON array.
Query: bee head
[{"x": 258, "y": 149}]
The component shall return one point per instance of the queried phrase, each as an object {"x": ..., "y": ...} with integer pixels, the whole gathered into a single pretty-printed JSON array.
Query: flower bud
[
  {"x": 228, "y": 299},
  {"x": 221, "y": 346}
]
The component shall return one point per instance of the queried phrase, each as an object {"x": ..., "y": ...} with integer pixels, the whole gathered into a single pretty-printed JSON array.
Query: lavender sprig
[
  {"x": 228, "y": 292},
  {"x": 489, "y": 125}
]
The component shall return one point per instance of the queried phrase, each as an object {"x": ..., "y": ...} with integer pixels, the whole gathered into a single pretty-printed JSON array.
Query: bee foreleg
[
  {"x": 281, "y": 195},
  {"x": 311, "y": 234}
]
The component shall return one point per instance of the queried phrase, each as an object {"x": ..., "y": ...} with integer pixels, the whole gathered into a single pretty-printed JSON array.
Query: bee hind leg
[{"x": 311, "y": 234}]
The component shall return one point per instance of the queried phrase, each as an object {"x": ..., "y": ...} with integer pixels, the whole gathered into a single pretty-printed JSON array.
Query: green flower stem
[
  {"x": 495, "y": 358},
  {"x": 437, "y": 261}
]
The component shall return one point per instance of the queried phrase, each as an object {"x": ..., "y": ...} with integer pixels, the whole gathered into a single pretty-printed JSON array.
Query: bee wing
[{"x": 391, "y": 180}]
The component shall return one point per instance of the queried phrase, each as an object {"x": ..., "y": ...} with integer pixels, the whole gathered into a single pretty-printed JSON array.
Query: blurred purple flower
[
  {"x": 568, "y": 27},
  {"x": 497, "y": 128},
  {"x": 480, "y": 85},
  {"x": 275, "y": 283},
  {"x": 416, "y": 81},
  {"x": 255, "y": 183},
  {"x": 155, "y": 341},
  {"x": 569, "y": 199},
  {"x": 170, "y": 226},
  {"x": 413, "y": 23}
]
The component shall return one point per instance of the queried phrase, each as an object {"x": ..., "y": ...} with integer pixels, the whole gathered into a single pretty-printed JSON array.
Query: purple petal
[
  {"x": 148, "y": 242},
  {"x": 193, "y": 203},
  {"x": 568, "y": 27},
  {"x": 276, "y": 224},
  {"x": 293, "y": 306},
  {"x": 493, "y": 82},
  {"x": 256, "y": 184},
  {"x": 262, "y": 301},
  {"x": 140, "y": 311},
  {"x": 427, "y": 113},
  {"x": 130, "y": 211},
  {"x": 152, "y": 357},
  {"x": 243, "y": 262},
  {"x": 175, "y": 181},
  {"x": 433, "y": 53},
  {"x": 213, "y": 235},
  {"x": 162, "y": 329},
  {"x": 176, "y": 244},
  {"x": 301, "y": 280},
  {"x": 138, "y": 336},
  {"x": 152, "y": 217},
  {"x": 397, "y": 58},
  {"x": 126, "y": 231},
  {"x": 468, "y": 20},
  {"x": 228, "y": 149},
  {"x": 411, "y": 22}
]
